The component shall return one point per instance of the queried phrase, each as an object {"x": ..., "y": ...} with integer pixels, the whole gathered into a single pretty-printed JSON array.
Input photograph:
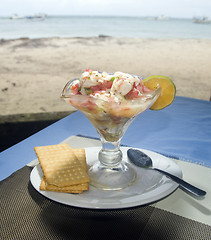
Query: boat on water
[
  {"x": 157, "y": 18},
  {"x": 39, "y": 16},
  {"x": 202, "y": 20},
  {"x": 15, "y": 16}
]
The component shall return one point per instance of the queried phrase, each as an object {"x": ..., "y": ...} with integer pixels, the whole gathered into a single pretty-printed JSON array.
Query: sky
[{"x": 170, "y": 8}]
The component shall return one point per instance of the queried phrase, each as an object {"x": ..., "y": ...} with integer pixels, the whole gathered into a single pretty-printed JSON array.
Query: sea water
[{"x": 93, "y": 26}]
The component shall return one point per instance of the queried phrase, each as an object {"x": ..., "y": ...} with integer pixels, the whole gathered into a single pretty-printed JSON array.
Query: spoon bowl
[{"x": 142, "y": 160}]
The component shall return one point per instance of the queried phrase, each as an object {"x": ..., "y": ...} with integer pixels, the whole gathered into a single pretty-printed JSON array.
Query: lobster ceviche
[
  {"x": 109, "y": 95},
  {"x": 109, "y": 100},
  {"x": 115, "y": 87}
]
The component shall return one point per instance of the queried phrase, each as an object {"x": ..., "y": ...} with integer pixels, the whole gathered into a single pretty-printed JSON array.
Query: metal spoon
[{"x": 140, "y": 159}]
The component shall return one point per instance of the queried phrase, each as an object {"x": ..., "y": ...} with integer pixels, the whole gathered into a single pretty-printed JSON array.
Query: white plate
[{"x": 149, "y": 187}]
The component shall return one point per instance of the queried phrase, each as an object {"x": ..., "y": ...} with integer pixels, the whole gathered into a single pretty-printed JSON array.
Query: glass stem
[{"x": 110, "y": 155}]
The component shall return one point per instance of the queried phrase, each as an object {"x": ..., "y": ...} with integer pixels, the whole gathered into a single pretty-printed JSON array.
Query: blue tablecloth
[{"x": 182, "y": 131}]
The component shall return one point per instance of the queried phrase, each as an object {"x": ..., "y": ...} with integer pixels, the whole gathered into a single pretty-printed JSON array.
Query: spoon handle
[{"x": 194, "y": 190}]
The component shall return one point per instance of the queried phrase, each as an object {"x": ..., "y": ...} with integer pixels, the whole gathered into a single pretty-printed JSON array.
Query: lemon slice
[{"x": 168, "y": 90}]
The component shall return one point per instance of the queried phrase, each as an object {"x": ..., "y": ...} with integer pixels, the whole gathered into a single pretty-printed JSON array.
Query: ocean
[{"x": 93, "y": 26}]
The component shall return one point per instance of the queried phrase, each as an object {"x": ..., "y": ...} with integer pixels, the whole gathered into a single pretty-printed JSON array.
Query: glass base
[{"x": 111, "y": 178}]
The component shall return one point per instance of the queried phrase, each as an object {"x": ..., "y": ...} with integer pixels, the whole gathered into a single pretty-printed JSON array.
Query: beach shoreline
[{"x": 34, "y": 71}]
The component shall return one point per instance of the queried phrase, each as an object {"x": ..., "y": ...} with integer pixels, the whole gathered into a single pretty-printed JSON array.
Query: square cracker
[
  {"x": 60, "y": 165},
  {"x": 81, "y": 156},
  {"x": 69, "y": 189},
  {"x": 79, "y": 188}
]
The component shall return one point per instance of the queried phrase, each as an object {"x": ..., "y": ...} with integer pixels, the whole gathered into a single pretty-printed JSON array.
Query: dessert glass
[{"x": 110, "y": 119}]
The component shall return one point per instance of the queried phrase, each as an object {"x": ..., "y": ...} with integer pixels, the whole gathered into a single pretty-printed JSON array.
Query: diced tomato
[
  {"x": 96, "y": 88},
  {"x": 88, "y": 70},
  {"x": 101, "y": 87},
  {"x": 107, "y": 84},
  {"x": 75, "y": 89},
  {"x": 143, "y": 88},
  {"x": 140, "y": 87},
  {"x": 134, "y": 93}
]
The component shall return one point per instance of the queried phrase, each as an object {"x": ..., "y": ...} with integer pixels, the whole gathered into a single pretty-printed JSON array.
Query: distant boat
[
  {"x": 202, "y": 20},
  {"x": 15, "y": 16},
  {"x": 39, "y": 16},
  {"x": 157, "y": 18},
  {"x": 162, "y": 18}
]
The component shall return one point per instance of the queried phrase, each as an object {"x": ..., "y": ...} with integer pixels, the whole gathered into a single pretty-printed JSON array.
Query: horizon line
[{"x": 97, "y": 15}]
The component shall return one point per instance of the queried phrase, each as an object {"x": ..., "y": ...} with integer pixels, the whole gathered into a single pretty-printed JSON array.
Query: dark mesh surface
[{"x": 26, "y": 214}]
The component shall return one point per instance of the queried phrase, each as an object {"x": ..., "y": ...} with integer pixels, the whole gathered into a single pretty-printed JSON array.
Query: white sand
[{"x": 34, "y": 71}]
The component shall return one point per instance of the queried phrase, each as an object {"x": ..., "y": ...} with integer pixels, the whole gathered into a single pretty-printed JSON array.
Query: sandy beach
[{"x": 34, "y": 71}]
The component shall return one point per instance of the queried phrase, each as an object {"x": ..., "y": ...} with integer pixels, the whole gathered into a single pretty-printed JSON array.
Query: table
[{"x": 182, "y": 131}]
